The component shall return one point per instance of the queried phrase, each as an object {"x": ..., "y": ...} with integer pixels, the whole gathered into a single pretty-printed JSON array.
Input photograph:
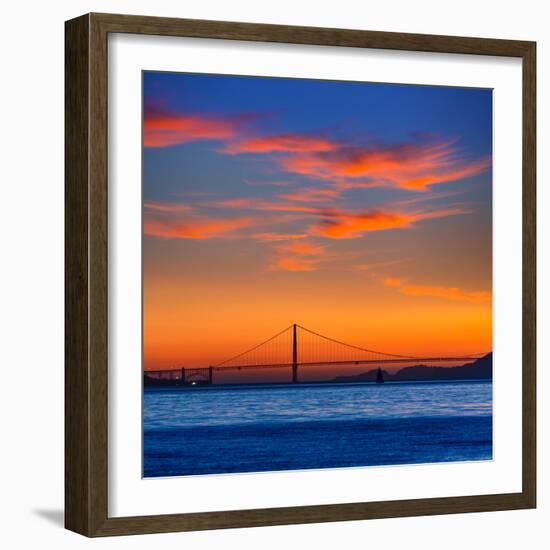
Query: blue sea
[{"x": 230, "y": 429}]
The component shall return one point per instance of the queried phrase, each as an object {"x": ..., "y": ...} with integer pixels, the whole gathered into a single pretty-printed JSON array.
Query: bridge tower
[
  {"x": 183, "y": 376},
  {"x": 210, "y": 377},
  {"x": 294, "y": 355}
]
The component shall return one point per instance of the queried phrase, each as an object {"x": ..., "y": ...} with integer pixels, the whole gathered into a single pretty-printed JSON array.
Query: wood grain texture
[
  {"x": 77, "y": 388},
  {"x": 86, "y": 218},
  {"x": 164, "y": 26},
  {"x": 529, "y": 275}
]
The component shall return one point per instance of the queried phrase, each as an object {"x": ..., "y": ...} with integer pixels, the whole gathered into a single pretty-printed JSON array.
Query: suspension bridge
[{"x": 296, "y": 348}]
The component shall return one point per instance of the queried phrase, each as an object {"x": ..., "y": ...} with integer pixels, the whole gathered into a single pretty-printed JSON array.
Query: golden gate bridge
[{"x": 295, "y": 348}]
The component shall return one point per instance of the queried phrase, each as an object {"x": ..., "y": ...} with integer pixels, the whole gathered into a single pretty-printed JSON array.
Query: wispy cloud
[
  {"x": 163, "y": 128},
  {"x": 167, "y": 207},
  {"x": 196, "y": 228},
  {"x": 292, "y": 263},
  {"x": 392, "y": 281},
  {"x": 278, "y": 237},
  {"x": 344, "y": 225},
  {"x": 303, "y": 249},
  {"x": 285, "y": 143},
  {"x": 201, "y": 220},
  {"x": 298, "y": 256},
  {"x": 265, "y": 205},
  {"x": 167, "y": 130},
  {"x": 340, "y": 225},
  {"x": 447, "y": 293},
  {"x": 415, "y": 166},
  {"x": 221, "y": 219},
  {"x": 428, "y": 197}
]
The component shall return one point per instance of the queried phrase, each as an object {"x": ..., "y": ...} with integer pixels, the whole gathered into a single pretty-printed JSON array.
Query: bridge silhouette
[{"x": 295, "y": 348}]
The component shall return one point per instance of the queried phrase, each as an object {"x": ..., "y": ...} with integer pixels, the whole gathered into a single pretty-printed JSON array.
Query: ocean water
[{"x": 213, "y": 430}]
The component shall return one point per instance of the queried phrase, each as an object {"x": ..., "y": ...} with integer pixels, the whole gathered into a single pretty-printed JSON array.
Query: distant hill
[{"x": 480, "y": 369}]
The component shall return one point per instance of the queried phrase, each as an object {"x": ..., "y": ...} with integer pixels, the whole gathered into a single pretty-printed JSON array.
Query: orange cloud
[
  {"x": 303, "y": 248},
  {"x": 167, "y": 207},
  {"x": 298, "y": 256},
  {"x": 199, "y": 228},
  {"x": 180, "y": 220},
  {"x": 428, "y": 197},
  {"x": 452, "y": 293},
  {"x": 447, "y": 293},
  {"x": 392, "y": 281},
  {"x": 340, "y": 225},
  {"x": 262, "y": 204},
  {"x": 345, "y": 226},
  {"x": 284, "y": 143},
  {"x": 291, "y": 263},
  {"x": 442, "y": 213},
  {"x": 165, "y": 129},
  {"x": 191, "y": 221},
  {"x": 413, "y": 166},
  {"x": 452, "y": 173},
  {"x": 278, "y": 236}
]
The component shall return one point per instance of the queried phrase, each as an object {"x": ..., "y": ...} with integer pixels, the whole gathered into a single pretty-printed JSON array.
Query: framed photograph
[{"x": 300, "y": 275}]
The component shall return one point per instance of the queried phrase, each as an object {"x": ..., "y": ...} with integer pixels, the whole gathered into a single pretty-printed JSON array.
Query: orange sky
[
  {"x": 199, "y": 319},
  {"x": 377, "y": 234}
]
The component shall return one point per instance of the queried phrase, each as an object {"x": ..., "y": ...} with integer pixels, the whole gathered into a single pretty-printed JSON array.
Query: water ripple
[{"x": 234, "y": 406}]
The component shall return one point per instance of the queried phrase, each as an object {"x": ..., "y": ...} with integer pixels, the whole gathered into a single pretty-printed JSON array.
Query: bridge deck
[{"x": 416, "y": 360}]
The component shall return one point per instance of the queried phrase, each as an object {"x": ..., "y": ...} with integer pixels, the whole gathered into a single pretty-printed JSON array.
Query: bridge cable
[
  {"x": 253, "y": 348},
  {"x": 357, "y": 347}
]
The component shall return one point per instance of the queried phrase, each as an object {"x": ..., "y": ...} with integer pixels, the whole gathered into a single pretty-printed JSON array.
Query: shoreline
[{"x": 305, "y": 385}]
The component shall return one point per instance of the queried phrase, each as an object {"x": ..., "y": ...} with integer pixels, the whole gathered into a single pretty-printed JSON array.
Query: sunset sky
[{"x": 361, "y": 211}]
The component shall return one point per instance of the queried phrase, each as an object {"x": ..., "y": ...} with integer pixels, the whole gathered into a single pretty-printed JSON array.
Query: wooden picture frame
[{"x": 86, "y": 359}]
